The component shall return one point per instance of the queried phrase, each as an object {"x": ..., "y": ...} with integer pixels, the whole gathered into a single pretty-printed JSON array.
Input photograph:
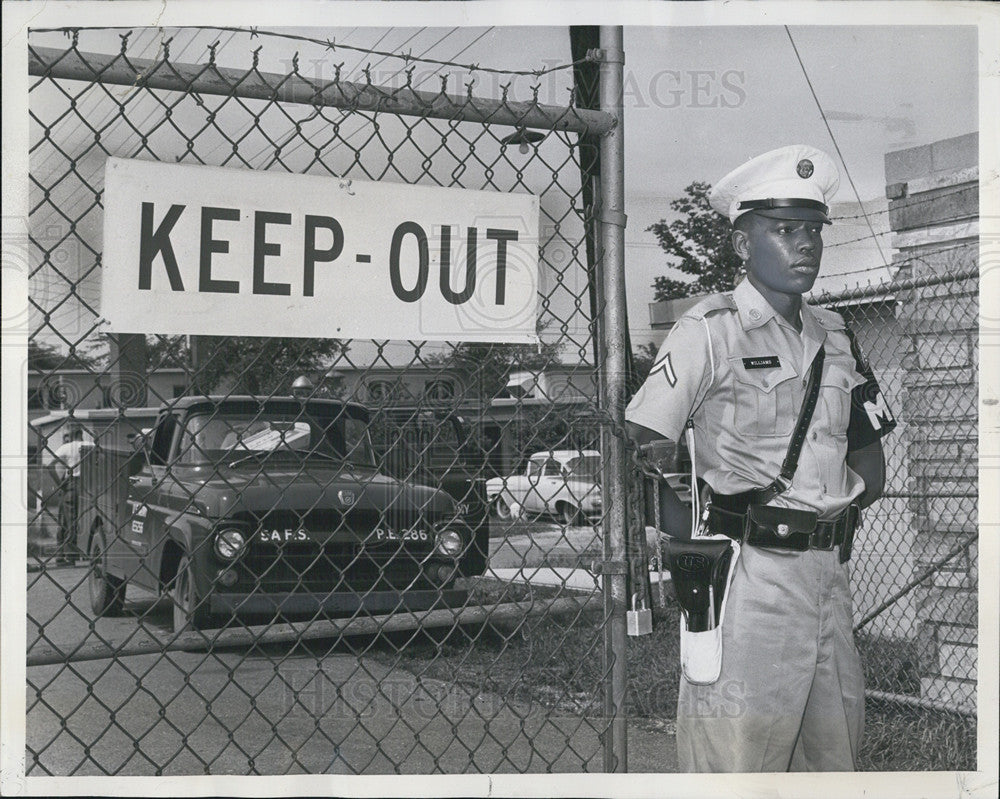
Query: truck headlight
[
  {"x": 229, "y": 543},
  {"x": 448, "y": 542}
]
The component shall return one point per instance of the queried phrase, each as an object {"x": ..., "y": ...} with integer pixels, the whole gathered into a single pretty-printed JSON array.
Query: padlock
[{"x": 639, "y": 621}]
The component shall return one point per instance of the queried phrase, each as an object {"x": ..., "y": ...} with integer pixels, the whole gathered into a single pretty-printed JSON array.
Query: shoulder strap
[{"x": 780, "y": 484}]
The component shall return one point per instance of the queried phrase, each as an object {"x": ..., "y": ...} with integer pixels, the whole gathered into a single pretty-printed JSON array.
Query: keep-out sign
[{"x": 209, "y": 251}]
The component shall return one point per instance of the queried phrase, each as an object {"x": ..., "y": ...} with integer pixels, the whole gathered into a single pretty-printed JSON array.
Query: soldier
[{"x": 790, "y": 695}]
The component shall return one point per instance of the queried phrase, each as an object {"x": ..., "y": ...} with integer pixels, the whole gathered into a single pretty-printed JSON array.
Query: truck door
[{"x": 141, "y": 534}]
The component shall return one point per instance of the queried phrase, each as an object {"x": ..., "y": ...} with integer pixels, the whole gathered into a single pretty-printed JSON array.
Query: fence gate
[{"x": 246, "y": 595}]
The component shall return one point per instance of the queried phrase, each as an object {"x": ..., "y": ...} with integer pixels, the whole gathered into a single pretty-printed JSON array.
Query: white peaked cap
[{"x": 793, "y": 182}]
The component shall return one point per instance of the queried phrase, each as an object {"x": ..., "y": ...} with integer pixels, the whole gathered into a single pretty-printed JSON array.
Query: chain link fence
[
  {"x": 339, "y": 560},
  {"x": 338, "y": 627},
  {"x": 915, "y": 567}
]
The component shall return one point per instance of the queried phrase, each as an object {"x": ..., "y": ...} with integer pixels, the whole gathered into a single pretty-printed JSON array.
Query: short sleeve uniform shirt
[
  {"x": 68, "y": 456},
  {"x": 738, "y": 371}
]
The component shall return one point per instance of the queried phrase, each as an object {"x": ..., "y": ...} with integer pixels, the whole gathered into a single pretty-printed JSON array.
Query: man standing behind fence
[
  {"x": 66, "y": 468},
  {"x": 738, "y": 365}
]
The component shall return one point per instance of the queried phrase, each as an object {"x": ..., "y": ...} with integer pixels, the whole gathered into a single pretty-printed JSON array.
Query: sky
[{"x": 698, "y": 102}]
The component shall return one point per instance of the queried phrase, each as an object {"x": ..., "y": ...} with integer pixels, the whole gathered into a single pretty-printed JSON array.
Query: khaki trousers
[{"x": 791, "y": 692}]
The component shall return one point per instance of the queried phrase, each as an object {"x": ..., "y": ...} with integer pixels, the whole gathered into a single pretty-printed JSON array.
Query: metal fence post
[{"x": 612, "y": 266}]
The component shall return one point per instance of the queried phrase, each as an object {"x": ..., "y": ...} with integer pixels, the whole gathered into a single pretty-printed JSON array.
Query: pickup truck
[
  {"x": 435, "y": 446},
  {"x": 562, "y": 482},
  {"x": 265, "y": 507}
]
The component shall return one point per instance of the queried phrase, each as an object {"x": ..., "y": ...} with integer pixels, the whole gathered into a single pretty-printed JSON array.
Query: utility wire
[{"x": 833, "y": 138}]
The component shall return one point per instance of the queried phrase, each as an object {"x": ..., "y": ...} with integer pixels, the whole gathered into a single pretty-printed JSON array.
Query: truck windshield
[{"x": 221, "y": 436}]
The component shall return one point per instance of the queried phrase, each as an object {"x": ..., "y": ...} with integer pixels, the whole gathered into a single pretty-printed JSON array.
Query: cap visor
[{"x": 795, "y": 212}]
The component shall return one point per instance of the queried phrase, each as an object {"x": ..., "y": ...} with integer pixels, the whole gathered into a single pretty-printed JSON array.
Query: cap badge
[{"x": 804, "y": 168}]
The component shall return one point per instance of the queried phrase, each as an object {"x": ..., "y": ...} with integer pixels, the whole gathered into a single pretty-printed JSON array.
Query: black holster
[{"x": 696, "y": 565}]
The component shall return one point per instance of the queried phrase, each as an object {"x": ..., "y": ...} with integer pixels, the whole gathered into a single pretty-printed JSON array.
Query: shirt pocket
[
  {"x": 836, "y": 387},
  {"x": 764, "y": 400}
]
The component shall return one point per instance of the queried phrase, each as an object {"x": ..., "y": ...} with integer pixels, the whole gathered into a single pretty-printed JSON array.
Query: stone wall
[{"x": 933, "y": 193}]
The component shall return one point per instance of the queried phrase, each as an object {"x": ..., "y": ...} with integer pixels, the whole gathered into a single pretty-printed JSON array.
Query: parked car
[
  {"x": 253, "y": 506},
  {"x": 565, "y": 483}
]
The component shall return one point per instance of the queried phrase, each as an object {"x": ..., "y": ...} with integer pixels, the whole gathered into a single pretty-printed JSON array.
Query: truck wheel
[
  {"x": 107, "y": 593},
  {"x": 569, "y": 514},
  {"x": 502, "y": 509},
  {"x": 187, "y": 615}
]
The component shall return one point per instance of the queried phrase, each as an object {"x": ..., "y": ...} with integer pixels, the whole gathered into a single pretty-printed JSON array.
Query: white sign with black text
[{"x": 229, "y": 252}]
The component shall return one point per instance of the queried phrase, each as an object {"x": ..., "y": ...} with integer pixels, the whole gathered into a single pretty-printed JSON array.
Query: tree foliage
[
  {"x": 536, "y": 429},
  {"x": 245, "y": 365},
  {"x": 241, "y": 365},
  {"x": 44, "y": 357},
  {"x": 698, "y": 244},
  {"x": 487, "y": 367},
  {"x": 642, "y": 361}
]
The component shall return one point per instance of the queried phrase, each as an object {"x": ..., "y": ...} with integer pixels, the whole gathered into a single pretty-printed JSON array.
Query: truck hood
[{"x": 222, "y": 492}]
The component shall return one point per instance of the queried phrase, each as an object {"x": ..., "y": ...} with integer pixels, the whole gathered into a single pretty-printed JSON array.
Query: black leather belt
[{"x": 824, "y": 535}]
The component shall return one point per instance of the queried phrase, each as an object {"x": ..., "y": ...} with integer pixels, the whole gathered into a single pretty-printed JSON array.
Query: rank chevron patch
[{"x": 664, "y": 365}]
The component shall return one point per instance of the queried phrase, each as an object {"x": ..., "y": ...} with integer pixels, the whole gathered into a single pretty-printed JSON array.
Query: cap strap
[{"x": 770, "y": 202}]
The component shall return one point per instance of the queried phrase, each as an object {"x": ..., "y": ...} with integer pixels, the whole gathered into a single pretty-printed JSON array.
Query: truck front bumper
[{"x": 341, "y": 602}]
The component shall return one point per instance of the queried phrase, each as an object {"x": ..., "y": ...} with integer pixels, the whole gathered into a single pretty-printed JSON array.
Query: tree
[
  {"x": 536, "y": 429},
  {"x": 487, "y": 367},
  {"x": 167, "y": 352},
  {"x": 245, "y": 365},
  {"x": 642, "y": 360},
  {"x": 44, "y": 357},
  {"x": 241, "y": 365},
  {"x": 698, "y": 244},
  {"x": 162, "y": 352}
]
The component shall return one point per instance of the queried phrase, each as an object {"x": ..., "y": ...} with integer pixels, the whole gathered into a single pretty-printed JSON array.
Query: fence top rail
[
  {"x": 888, "y": 290},
  {"x": 72, "y": 64}
]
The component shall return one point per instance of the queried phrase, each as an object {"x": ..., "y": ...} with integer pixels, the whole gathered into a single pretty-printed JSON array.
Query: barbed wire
[
  {"x": 912, "y": 204},
  {"x": 332, "y": 44},
  {"x": 864, "y": 238}
]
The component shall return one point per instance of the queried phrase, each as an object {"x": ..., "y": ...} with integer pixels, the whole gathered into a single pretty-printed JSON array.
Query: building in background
[{"x": 933, "y": 195}]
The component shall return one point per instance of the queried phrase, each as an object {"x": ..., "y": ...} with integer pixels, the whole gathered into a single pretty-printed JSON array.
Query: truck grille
[
  {"x": 359, "y": 522},
  {"x": 337, "y": 566},
  {"x": 333, "y": 565}
]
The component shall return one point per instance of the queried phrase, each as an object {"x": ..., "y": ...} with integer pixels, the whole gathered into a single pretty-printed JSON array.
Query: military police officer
[{"x": 736, "y": 367}]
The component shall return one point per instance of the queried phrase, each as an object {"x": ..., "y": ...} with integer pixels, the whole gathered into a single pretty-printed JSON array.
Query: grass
[
  {"x": 899, "y": 738},
  {"x": 557, "y": 663},
  {"x": 890, "y": 664}
]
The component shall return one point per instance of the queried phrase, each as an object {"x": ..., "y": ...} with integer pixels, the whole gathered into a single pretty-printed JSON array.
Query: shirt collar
[
  {"x": 811, "y": 327},
  {"x": 755, "y": 311}
]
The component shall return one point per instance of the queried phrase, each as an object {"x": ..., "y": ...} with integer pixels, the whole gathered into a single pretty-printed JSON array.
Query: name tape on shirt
[{"x": 762, "y": 362}]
